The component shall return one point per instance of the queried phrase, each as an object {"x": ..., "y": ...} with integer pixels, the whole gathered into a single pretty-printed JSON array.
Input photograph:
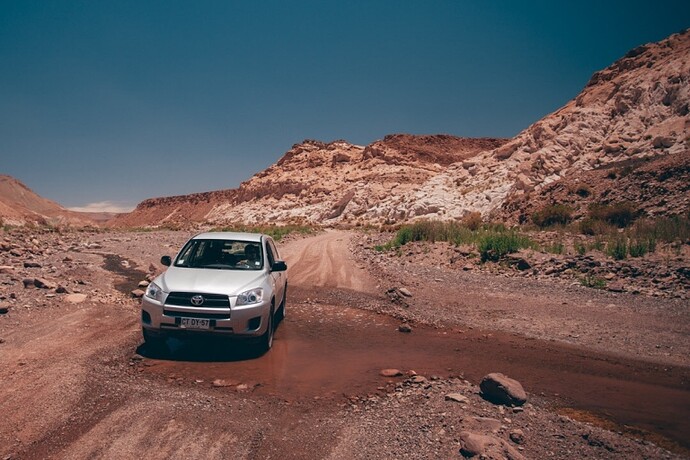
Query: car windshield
[{"x": 221, "y": 255}]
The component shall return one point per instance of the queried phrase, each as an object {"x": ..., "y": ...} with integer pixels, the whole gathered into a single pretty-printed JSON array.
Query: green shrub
[
  {"x": 666, "y": 229},
  {"x": 598, "y": 244},
  {"x": 617, "y": 248},
  {"x": 639, "y": 248},
  {"x": 619, "y": 214},
  {"x": 592, "y": 281},
  {"x": 555, "y": 248},
  {"x": 493, "y": 246},
  {"x": 552, "y": 215},
  {"x": 589, "y": 226},
  {"x": 472, "y": 220},
  {"x": 580, "y": 248}
]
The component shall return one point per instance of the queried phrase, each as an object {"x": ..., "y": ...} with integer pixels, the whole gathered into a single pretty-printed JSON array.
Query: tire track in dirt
[{"x": 325, "y": 261}]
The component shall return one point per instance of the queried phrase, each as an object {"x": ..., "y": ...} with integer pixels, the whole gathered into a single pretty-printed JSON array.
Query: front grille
[
  {"x": 186, "y": 314},
  {"x": 184, "y": 299}
]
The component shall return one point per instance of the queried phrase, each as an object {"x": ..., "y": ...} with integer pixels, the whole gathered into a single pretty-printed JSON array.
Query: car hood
[{"x": 228, "y": 282}]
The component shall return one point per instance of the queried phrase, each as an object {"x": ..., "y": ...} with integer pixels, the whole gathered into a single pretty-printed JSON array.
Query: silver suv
[{"x": 220, "y": 283}]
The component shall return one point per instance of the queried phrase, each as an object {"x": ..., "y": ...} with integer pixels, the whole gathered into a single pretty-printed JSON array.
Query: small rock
[
  {"x": 500, "y": 389},
  {"x": 6, "y": 269},
  {"x": 405, "y": 292},
  {"x": 28, "y": 282},
  {"x": 75, "y": 298},
  {"x": 44, "y": 284},
  {"x": 4, "y": 310},
  {"x": 418, "y": 379},
  {"x": 390, "y": 373},
  {"x": 32, "y": 265},
  {"x": 143, "y": 283},
  {"x": 616, "y": 286},
  {"x": 472, "y": 444},
  {"x": 404, "y": 328},
  {"x": 223, "y": 383},
  {"x": 61, "y": 289},
  {"x": 457, "y": 397},
  {"x": 138, "y": 293},
  {"x": 517, "y": 436},
  {"x": 660, "y": 142}
]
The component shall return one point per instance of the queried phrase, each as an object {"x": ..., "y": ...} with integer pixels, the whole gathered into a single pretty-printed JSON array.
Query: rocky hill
[
  {"x": 637, "y": 108},
  {"x": 20, "y": 205},
  {"x": 322, "y": 182}
]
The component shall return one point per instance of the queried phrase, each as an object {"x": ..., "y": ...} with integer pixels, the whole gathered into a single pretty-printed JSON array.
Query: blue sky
[{"x": 118, "y": 101}]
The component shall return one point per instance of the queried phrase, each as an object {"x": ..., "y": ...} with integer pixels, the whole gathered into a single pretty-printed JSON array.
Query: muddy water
[
  {"x": 127, "y": 271},
  {"x": 329, "y": 351}
]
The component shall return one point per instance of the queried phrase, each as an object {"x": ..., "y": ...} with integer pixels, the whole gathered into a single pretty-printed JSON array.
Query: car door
[{"x": 278, "y": 277}]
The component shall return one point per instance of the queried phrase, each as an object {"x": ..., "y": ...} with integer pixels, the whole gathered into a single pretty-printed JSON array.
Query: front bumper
[{"x": 237, "y": 321}]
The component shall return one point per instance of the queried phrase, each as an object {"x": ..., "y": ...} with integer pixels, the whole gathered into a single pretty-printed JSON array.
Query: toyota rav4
[{"x": 220, "y": 283}]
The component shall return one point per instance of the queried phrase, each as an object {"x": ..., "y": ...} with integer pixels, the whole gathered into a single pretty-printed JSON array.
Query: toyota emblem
[{"x": 197, "y": 300}]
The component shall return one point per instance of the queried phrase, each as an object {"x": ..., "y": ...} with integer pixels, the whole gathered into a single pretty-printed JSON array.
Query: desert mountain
[
  {"x": 20, "y": 205},
  {"x": 636, "y": 108},
  {"x": 635, "y": 112},
  {"x": 323, "y": 182}
]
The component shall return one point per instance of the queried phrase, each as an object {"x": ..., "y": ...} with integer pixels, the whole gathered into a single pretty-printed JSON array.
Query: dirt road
[
  {"x": 325, "y": 261},
  {"x": 77, "y": 383}
]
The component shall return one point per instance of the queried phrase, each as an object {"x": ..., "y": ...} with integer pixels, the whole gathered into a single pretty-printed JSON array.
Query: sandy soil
[{"x": 76, "y": 381}]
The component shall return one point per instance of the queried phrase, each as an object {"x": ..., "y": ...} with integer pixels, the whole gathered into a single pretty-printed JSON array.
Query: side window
[
  {"x": 276, "y": 256},
  {"x": 269, "y": 253}
]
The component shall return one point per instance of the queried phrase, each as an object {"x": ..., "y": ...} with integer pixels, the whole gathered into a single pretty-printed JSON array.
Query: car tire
[
  {"x": 266, "y": 340},
  {"x": 280, "y": 314},
  {"x": 156, "y": 344}
]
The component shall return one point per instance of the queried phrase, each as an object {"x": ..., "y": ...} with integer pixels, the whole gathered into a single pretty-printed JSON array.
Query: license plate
[{"x": 195, "y": 323}]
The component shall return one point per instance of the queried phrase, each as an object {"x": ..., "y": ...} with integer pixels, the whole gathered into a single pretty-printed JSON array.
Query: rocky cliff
[
  {"x": 321, "y": 183},
  {"x": 636, "y": 108}
]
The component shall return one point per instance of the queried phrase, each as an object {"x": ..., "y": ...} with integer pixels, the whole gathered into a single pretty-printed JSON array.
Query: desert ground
[{"x": 606, "y": 373}]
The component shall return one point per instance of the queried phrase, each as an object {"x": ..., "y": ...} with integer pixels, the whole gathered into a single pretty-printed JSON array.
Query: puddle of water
[{"x": 126, "y": 269}]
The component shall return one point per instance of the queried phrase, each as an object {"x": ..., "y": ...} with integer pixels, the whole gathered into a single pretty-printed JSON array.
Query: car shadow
[{"x": 198, "y": 349}]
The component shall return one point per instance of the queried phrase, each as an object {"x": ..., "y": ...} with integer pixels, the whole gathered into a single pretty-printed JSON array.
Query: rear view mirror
[{"x": 165, "y": 260}]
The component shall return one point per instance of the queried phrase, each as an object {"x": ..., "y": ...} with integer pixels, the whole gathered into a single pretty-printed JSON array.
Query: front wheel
[
  {"x": 154, "y": 342},
  {"x": 266, "y": 340},
  {"x": 280, "y": 314}
]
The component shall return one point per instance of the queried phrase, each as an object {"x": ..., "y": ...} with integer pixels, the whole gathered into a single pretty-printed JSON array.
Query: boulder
[
  {"x": 500, "y": 389},
  {"x": 486, "y": 446},
  {"x": 457, "y": 397}
]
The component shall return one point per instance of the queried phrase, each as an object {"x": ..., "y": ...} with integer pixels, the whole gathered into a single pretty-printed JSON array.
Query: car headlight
[
  {"x": 250, "y": 297},
  {"x": 154, "y": 291}
]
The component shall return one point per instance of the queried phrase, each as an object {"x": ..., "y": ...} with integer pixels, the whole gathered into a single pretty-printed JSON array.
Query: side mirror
[
  {"x": 279, "y": 266},
  {"x": 165, "y": 260}
]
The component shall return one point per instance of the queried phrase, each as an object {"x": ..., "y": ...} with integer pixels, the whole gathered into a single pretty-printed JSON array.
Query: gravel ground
[{"x": 77, "y": 382}]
